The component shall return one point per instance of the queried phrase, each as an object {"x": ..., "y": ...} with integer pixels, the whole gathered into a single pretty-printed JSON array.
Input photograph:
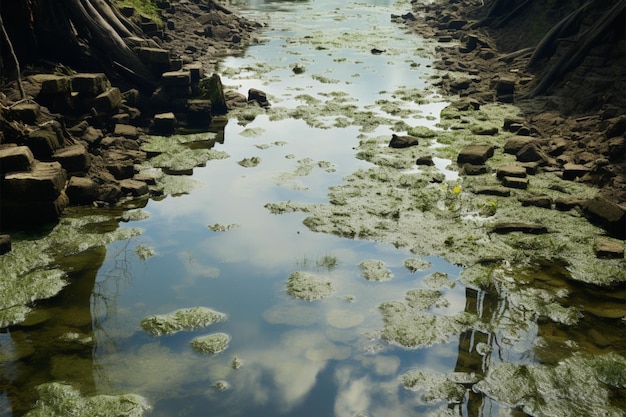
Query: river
[{"x": 336, "y": 75}]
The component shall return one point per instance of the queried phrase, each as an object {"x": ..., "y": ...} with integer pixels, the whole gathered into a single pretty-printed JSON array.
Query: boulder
[
  {"x": 44, "y": 182},
  {"x": 164, "y": 123},
  {"x": 54, "y": 84},
  {"x": 511, "y": 171},
  {"x": 605, "y": 248},
  {"x": 531, "y": 153},
  {"x": 5, "y": 244},
  {"x": 572, "y": 171},
  {"x": 475, "y": 154},
  {"x": 256, "y": 95},
  {"x": 15, "y": 158},
  {"x": 469, "y": 169},
  {"x": 542, "y": 201},
  {"x": 515, "y": 143},
  {"x": 515, "y": 182},
  {"x": 404, "y": 141},
  {"x": 126, "y": 130},
  {"x": 81, "y": 190},
  {"x": 610, "y": 216},
  {"x": 108, "y": 101},
  {"x": 154, "y": 56},
  {"x": 176, "y": 79},
  {"x": 91, "y": 85},
  {"x": 26, "y": 112},
  {"x": 45, "y": 140},
  {"x": 426, "y": 160},
  {"x": 134, "y": 187},
  {"x": 73, "y": 158}
]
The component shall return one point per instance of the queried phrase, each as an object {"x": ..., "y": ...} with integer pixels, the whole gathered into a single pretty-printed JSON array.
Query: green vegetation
[
  {"x": 145, "y": 8},
  {"x": 180, "y": 320},
  {"x": 308, "y": 286},
  {"x": 211, "y": 344}
]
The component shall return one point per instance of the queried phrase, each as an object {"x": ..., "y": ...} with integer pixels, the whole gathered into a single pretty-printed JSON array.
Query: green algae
[
  {"x": 211, "y": 344},
  {"x": 415, "y": 265},
  {"x": 62, "y": 400},
  {"x": 308, "y": 286},
  {"x": 438, "y": 280},
  {"x": 423, "y": 299},
  {"x": 222, "y": 227},
  {"x": 433, "y": 387},
  {"x": 250, "y": 162},
  {"x": 181, "y": 320},
  {"x": 30, "y": 271},
  {"x": 411, "y": 328},
  {"x": 578, "y": 385},
  {"x": 135, "y": 215},
  {"x": 144, "y": 252},
  {"x": 374, "y": 270}
]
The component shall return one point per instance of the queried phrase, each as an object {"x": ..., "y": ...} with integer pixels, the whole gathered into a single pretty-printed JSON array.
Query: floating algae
[
  {"x": 414, "y": 264},
  {"x": 180, "y": 320},
  {"x": 308, "y": 286},
  {"x": 250, "y": 162},
  {"x": 211, "y": 344},
  {"x": 423, "y": 299},
  {"x": 438, "y": 280},
  {"x": 410, "y": 328},
  {"x": 374, "y": 270},
  {"x": 433, "y": 387},
  {"x": 577, "y": 386},
  {"x": 62, "y": 400},
  {"x": 144, "y": 252}
]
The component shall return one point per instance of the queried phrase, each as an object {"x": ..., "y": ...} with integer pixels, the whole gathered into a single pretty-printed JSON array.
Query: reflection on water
[{"x": 217, "y": 246}]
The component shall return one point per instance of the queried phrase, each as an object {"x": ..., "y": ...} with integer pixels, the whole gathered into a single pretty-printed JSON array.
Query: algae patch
[
  {"x": 374, "y": 270},
  {"x": 308, "y": 286},
  {"x": 211, "y": 344},
  {"x": 433, "y": 388},
  {"x": 62, "y": 400},
  {"x": 180, "y": 320}
]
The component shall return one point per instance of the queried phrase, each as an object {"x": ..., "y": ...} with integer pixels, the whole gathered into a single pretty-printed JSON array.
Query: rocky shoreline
[
  {"x": 76, "y": 138},
  {"x": 578, "y": 127}
]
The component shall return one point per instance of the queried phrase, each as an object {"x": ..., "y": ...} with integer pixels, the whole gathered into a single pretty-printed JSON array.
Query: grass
[{"x": 146, "y": 8}]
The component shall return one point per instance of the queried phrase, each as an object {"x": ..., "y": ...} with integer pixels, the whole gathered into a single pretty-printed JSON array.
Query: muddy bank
[{"x": 576, "y": 114}]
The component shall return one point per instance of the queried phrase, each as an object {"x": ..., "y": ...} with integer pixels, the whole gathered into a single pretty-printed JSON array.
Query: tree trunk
[{"x": 83, "y": 34}]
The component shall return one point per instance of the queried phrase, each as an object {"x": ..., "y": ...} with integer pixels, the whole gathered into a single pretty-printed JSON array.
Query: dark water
[{"x": 298, "y": 358}]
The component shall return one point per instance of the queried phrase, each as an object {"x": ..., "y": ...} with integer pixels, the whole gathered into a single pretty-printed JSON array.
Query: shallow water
[{"x": 218, "y": 246}]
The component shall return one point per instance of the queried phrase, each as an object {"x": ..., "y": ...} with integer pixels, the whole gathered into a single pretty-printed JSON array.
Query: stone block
[
  {"x": 134, "y": 188},
  {"x": 43, "y": 183},
  {"x": 610, "y": 216},
  {"x": 475, "y": 154},
  {"x": 81, "y": 190},
  {"x": 402, "y": 141},
  {"x": 154, "y": 56},
  {"x": 55, "y": 84},
  {"x": 108, "y": 101},
  {"x": 198, "y": 112},
  {"x": 511, "y": 171},
  {"x": 195, "y": 71},
  {"x": 45, "y": 140},
  {"x": 15, "y": 158},
  {"x": 128, "y": 131},
  {"x": 515, "y": 143},
  {"x": 73, "y": 158},
  {"x": 32, "y": 213},
  {"x": 25, "y": 112},
  {"x": 542, "y": 201},
  {"x": 176, "y": 79},
  {"x": 90, "y": 84},
  {"x": 515, "y": 182},
  {"x": 572, "y": 171},
  {"x": 606, "y": 248},
  {"x": 164, "y": 123}
]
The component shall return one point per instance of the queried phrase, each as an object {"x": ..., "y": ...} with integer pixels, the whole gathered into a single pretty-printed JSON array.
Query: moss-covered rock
[
  {"x": 308, "y": 286},
  {"x": 211, "y": 344}
]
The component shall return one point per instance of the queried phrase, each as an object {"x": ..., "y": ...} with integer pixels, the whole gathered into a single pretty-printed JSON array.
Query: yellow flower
[{"x": 456, "y": 189}]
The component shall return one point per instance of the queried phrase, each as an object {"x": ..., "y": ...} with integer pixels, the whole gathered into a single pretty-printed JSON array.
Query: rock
[
  {"x": 81, "y": 190},
  {"x": 55, "y": 84},
  {"x": 73, "y": 158},
  {"x": 515, "y": 182},
  {"x": 573, "y": 171},
  {"x": 460, "y": 84},
  {"x": 152, "y": 56},
  {"x": 567, "y": 203},
  {"x": 616, "y": 149},
  {"x": 15, "y": 158},
  {"x": 515, "y": 143},
  {"x": 469, "y": 169},
  {"x": 542, "y": 201},
  {"x": 465, "y": 104},
  {"x": 134, "y": 187},
  {"x": 531, "y": 153},
  {"x": 44, "y": 182},
  {"x": 426, "y": 160},
  {"x": 90, "y": 84},
  {"x": 126, "y": 130},
  {"x": 45, "y": 140},
  {"x": 605, "y": 248},
  {"x": 196, "y": 72},
  {"x": 484, "y": 131},
  {"x": 198, "y": 112},
  {"x": 511, "y": 171},
  {"x": 164, "y": 123},
  {"x": 404, "y": 141},
  {"x": 497, "y": 191},
  {"x": 215, "y": 93},
  {"x": 258, "y": 96},
  {"x": 529, "y": 228},
  {"x": 26, "y": 112},
  {"x": 475, "y": 154},
  {"x": 504, "y": 87},
  {"x": 5, "y": 244},
  {"x": 108, "y": 101},
  {"x": 610, "y": 216},
  {"x": 176, "y": 79}
]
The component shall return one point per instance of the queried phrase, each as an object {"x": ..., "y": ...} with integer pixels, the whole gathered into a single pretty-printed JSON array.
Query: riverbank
[{"x": 578, "y": 123}]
